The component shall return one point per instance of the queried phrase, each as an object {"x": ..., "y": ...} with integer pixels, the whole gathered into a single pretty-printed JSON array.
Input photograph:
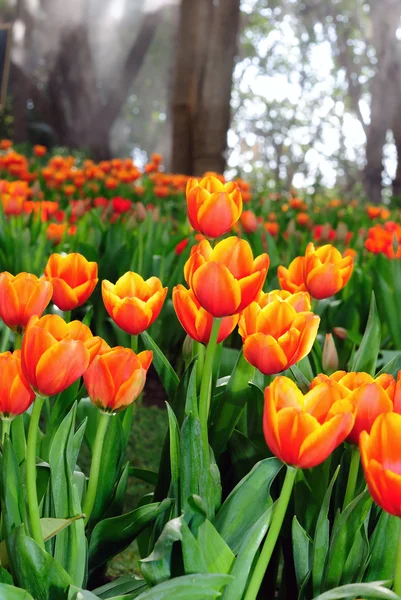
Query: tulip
[
  {"x": 292, "y": 279},
  {"x": 73, "y": 279},
  {"x": 249, "y": 221},
  {"x": 225, "y": 279},
  {"x": 380, "y": 456},
  {"x": 326, "y": 272},
  {"x": 54, "y": 354},
  {"x": 304, "y": 430},
  {"x": 329, "y": 355},
  {"x": 21, "y": 297},
  {"x": 132, "y": 303},
  {"x": 300, "y": 301},
  {"x": 370, "y": 400},
  {"x": 16, "y": 395},
  {"x": 213, "y": 207},
  {"x": 196, "y": 321},
  {"x": 276, "y": 336},
  {"x": 116, "y": 377}
]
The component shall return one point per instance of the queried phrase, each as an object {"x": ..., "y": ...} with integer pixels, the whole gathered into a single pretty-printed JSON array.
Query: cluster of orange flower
[{"x": 385, "y": 239}]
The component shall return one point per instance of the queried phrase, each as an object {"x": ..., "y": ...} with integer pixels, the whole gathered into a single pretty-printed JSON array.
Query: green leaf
[
  {"x": 157, "y": 566},
  {"x": 235, "y": 517},
  {"x": 191, "y": 400},
  {"x": 300, "y": 379},
  {"x": 383, "y": 547},
  {"x": 70, "y": 546},
  {"x": 111, "y": 536},
  {"x": 345, "y": 529},
  {"x": 366, "y": 357},
  {"x": 194, "y": 473},
  {"x": 231, "y": 404},
  {"x": 34, "y": 570},
  {"x": 9, "y": 592},
  {"x": 75, "y": 593},
  {"x": 12, "y": 491},
  {"x": 122, "y": 585},
  {"x": 197, "y": 587},
  {"x": 168, "y": 376},
  {"x": 321, "y": 539},
  {"x": 301, "y": 545},
  {"x": 246, "y": 555},
  {"x": 143, "y": 475},
  {"x": 353, "y": 590},
  {"x": 217, "y": 555},
  {"x": 174, "y": 455}
]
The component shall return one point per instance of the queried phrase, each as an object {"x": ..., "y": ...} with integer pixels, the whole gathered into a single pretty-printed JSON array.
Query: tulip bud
[
  {"x": 140, "y": 212},
  {"x": 341, "y": 232},
  {"x": 330, "y": 356},
  {"x": 187, "y": 349},
  {"x": 340, "y": 332}
]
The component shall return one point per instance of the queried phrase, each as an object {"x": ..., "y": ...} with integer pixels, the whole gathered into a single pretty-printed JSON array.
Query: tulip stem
[
  {"x": 67, "y": 316},
  {"x": 272, "y": 535},
  {"x": 17, "y": 341},
  {"x": 397, "y": 572},
  {"x": 134, "y": 343},
  {"x": 5, "y": 339},
  {"x": 5, "y": 429},
  {"x": 206, "y": 383},
  {"x": 31, "y": 491},
  {"x": 95, "y": 466},
  {"x": 352, "y": 477}
]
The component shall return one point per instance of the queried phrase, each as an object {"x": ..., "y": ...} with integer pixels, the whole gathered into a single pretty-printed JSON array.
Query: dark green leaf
[
  {"x": 197, "y": 587},
  {"x": 301, "y": 545},
  {"x": 383, "y": 547},
  {"x": 353, "y": 590},
  {"x": 366, "y": 356},
  {"x": 168, "y": 376}
]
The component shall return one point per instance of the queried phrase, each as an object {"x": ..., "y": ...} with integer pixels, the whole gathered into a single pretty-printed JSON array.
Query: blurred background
[{"x": 284, "y": 93}]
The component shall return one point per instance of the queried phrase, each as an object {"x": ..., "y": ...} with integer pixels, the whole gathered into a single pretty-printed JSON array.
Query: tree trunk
[
  {"x": 384, "y": 98},
  {"x": 206, "y": 50}
]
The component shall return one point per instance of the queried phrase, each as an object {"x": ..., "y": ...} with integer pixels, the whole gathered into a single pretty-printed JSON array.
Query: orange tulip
[
  {"x": 16, "y": 395},
  {"x": 276, "y": 336},
  {"x": 39, "y": 150},
  {"x": 326, "y": 272},
  {"x": 55, "y": 353},
  {"x": 116, "y": 377},
  {"x": 371, "y": 400},
  {"x": 213, "y": 207},
  {"x": 225, "y": 279},
  {"x": 380, "y": 457},
  {"x": 73, "y": 279},
  {"x": 292, "y": 279},
  {"x": 21, "y": 297},
  {"x": 304, "y": 430},
  {"x": 249, "y": 221},
  {"x": 132, "y": 303},
  {"x": 196, "y": 321}
]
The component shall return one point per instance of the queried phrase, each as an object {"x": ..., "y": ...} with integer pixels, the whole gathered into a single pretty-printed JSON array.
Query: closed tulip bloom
[
  {"x": 54, "y": 353},
  {"x": 292, "y": 279},
  {"x": 276, "y": 336},
  {"x": 249, "y": 221},
  {"x": 326, "y": 272},
  {"x": 116, "y": 377},
  {"x": 196, "y": 321},
  {"x": 132, "y": 303},
  {"x": 21, "y": 297},
  {"x": 16, "y": 395},
  {"x": 225, "y": 279},
  {"x": 380, "y": 457},
  {"x": 354, "y": 380},
  {"x": 213, "y": 207},
  {"x": 304, "y": 430},
  {"x": 73, "y": 279}
]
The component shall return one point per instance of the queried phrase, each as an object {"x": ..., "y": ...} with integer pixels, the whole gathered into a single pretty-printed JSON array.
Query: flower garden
[{"x": 269, "y": 326}]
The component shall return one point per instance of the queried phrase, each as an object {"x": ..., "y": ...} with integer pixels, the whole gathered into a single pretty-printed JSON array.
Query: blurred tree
[
  {"x": 67, "y": 81},
  {"x": 206, "y": 47}
]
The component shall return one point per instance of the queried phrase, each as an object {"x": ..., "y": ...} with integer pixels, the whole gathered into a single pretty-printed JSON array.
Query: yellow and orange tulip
[
  {"x": 304, "y": 430},
  {"x": 54, "y": 353},
  {"x": 275, "y": 335},
  {"x": 326, "y": 272},
  {"x": 21, "y": 297},
  {"x": 132, "y": 303},
  {"x": 213, "y": 207},
  {"x": 225, "y": 279},
  {"x": 196, "y": 321},
  {"x": 73, "y": 279},
  {"x": 292, "y": 279},
  {"x": 380, "y": 457},
  {"x": 16, "y": 395},
  {"x": 116, "y": 377}
]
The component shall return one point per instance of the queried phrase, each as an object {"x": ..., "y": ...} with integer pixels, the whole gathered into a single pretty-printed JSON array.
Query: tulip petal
[
  {"x": 187, "y": 312},
  {"x": 294, "y": 427},
  {"x": 325, "y": 281},
  {"x": 132, "y": 315},
  {"x": 60, "y": 366},
  {"x": 217, "y": 214},
  {"x": 35, "y": 343},
  {"x": 99, "y": 383},
  {"x": 321, "y": 443},
  {"x": 155, "y": 304},
  {"x": 145, "y": 358},
  {"x": 216, "y": 289},
  {"x": 235, "y": 254},
  {"x": 251, "y": 287},
  {"x": 263, "y": 352},
  {"x": 130, "y": 390},
  {"x": 63, "y": 295}
]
